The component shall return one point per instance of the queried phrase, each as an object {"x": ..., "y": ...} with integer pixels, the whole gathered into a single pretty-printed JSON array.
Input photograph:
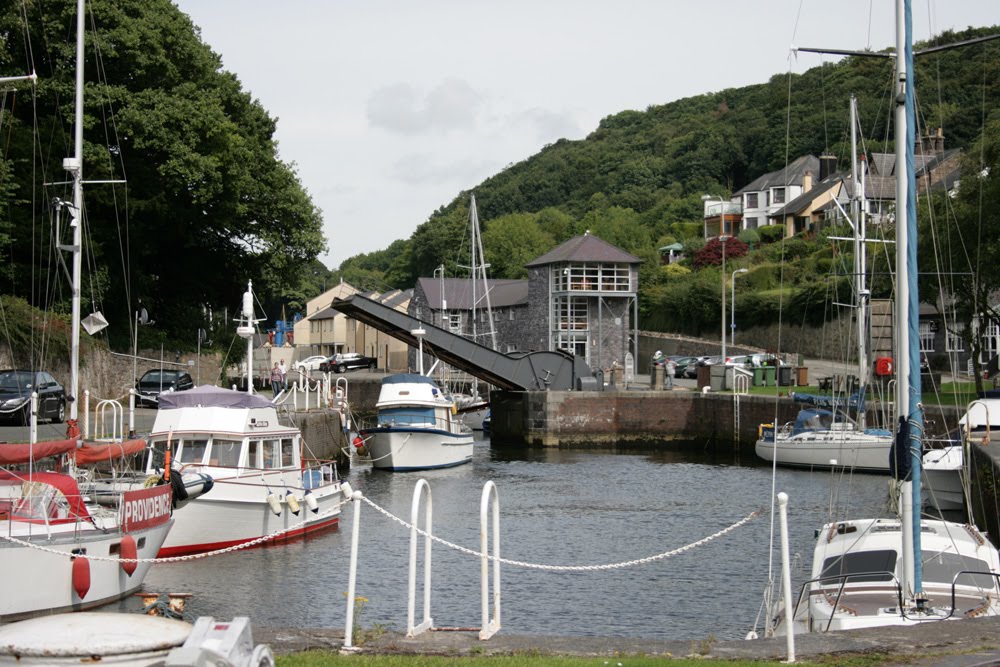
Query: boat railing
[
  {"x": 821, "y": 586},
  {"x": 315, "y": 474},
  {"x": 975, "y": 573},
  {"x": 417, "y": 421}
]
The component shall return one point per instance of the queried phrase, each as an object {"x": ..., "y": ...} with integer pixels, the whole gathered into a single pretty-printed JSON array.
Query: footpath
[{"x": 965, "y": 643}]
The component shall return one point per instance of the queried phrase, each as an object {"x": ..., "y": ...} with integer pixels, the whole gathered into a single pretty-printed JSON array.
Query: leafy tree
[
  {"x": 712, "y": 253},
  {"x": 511, "y": 241}
]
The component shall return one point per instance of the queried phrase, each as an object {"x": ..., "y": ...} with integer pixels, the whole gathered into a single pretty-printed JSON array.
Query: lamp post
[
  {"x": 722, "y": 240},
  {"x": 732, "y": 307}
]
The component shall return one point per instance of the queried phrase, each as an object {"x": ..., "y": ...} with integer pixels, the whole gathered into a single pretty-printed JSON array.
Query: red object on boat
[
  {"x": 92, "y": 452},
  {"x": 81, "y": 576},
  {"x": 358, "y": 442},
  {"x": 883, "y": 366},
  {"x": 12, "y": 453},
  {"x": 128, "y": 551}
]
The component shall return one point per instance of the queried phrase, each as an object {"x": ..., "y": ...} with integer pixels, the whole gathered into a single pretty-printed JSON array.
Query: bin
[
  {"x": 758, "y": 377},
  {"x": 802, "y": 376},
  {"x": 769, "y": 376},
  {"x": 784, "y": 376},
  {"x": 718, "y": 377},
  {"x": 704, "y": 376}
]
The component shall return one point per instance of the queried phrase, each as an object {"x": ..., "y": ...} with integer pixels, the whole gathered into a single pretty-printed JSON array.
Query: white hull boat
[
  {"x": 944, "y": 469},
  {"x": 819, "y": 439},
  {"x": 857, "y": 569},
  {"x": 416, "y": 427},
  {"x": 74, "y": 546}
]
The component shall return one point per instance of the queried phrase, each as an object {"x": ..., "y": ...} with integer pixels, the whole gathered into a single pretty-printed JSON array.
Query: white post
[
  {"x": 489, "y": 627},
  {"x": 296, "y": 387},
  {"x": 131, "y": 411},
  {"x": 352, "y": 579},
  {"x": 411, "y": 629},
  {"x": 33, "y": 419},
  {"x": 86, "y": 413},
  {"x": 786, "y": 577}
]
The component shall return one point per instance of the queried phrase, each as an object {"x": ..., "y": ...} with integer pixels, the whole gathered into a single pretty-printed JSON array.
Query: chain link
[{"x": 570, "y": 568}]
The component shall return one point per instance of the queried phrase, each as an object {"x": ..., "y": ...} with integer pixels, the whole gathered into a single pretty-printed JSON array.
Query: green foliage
[
  {"x": 771, "y": 233},
  {"x": 750, "y": 236},
  {"x": 713, "y": 252},
  {"x": 513, "y": 241}
]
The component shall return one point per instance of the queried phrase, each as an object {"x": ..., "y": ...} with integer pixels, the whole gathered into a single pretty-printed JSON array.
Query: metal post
[
  {"x": 352, "y": 579},
  {"x": 489, "y": 627},
  {"x": 33, "y": 419},
  {"x": 723, "y": 240},
  {"x": 732, "y": 306},
  {"x": 786, "y": 578},
  {"x": 86, "y": 413},
  {"x": 411, "y": 629},
  {"x": 131, "y": 412}
]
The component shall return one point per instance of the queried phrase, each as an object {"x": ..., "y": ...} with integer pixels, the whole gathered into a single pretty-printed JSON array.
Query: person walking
[
  {"x": 277, "y": 380},
  {"x": 284, "y": 374}
]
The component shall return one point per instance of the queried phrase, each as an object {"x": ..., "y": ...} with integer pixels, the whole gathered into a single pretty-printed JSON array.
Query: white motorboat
[
  {"x": 944, "y": 477},
  {"x": 416, "y": 427},
  {"x": 857, "y": 573},
  {"x": 822, "y": 438}
]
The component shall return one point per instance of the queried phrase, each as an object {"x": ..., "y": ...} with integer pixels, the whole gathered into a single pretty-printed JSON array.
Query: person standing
[
  {"x": 669, "y": 371},
  {"x": 276, "y": 379},
  {"x": 284, "y": 374}
]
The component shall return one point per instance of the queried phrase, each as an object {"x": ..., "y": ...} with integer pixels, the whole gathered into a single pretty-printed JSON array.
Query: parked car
[
  {"x": 16, "y": 387},
  {"x": 691, "y": 370},
  {"x": 154, "y": 382},
  {"x": 346, "y": 361},
  {"x": 681, "y": 364},
  {"x": 310, "y": 364}
]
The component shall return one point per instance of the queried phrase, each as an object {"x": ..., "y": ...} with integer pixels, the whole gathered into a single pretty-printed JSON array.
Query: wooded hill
[{"x": 637, "y": 181}]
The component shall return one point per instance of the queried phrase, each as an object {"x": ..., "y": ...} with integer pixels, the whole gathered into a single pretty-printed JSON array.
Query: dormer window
[{"x": 779, "y": 196}]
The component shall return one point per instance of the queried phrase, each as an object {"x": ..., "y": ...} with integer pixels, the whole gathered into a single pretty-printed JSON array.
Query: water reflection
[{"x": 558, "y": 507}]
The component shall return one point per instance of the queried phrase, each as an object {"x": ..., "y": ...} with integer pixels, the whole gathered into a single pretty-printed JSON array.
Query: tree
[
  {"x": 512, "y": 241},
  {"x": 711, "y": 254}
]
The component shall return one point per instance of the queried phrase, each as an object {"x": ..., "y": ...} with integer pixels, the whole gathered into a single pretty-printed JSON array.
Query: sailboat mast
[
  {"x": 860, "y": 264},
  {"x": 907, "y": 300},
  {"x": 75, "y": 167}
]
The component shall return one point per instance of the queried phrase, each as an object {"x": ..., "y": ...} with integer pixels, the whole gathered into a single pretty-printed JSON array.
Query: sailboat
[
  {"x": 945, "y": 478},
  {"x": 79, "y": 554},
  {"x": 877, "y": 572},
  {"x": 823, "y": 434}
]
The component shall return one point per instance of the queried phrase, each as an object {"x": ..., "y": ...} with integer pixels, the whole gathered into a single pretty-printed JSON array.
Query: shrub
[
  {"x": 711, "y": 254},
  {"x": 750, "y": 236},
  {"x": 771, "y": 233}
]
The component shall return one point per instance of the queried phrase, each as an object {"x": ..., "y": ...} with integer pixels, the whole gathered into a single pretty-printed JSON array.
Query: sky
[{"x": 389, "y": 109}]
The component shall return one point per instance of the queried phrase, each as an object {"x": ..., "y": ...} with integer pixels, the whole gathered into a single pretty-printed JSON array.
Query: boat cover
[
  {"x": 94, "y": 452},
  {"x": 209, "y": 396},
  {"x": 63, "y": 484},
  {"x": 408, "y": 378},
  {"x": 853, "y": 402},
  {"x": 11, "y": 453}
]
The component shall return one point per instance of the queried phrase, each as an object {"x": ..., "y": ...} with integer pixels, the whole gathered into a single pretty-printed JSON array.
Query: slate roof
[
  {"x": 803, "y": 201},
  {"x": 586, "y": 248},
  {"x": 392, "y": 299},
  {"x": 458, "y": 291},
  {"x": 790, "y": 175}
]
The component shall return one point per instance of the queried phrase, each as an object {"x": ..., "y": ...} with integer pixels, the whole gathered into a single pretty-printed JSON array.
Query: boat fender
[
  {"x": 293, "y": 502},
  {"x": 358, "y": 442},
  {"x": 179, "y": 490},
  {"x": 343, "y": 420},
  {"x": 275, "y": 503},
  {"x": 81, "y": 576},
  {"x": 454, "y": 408},
  {"x": 310, "y": 501},
  {"x": 128, "y": 551}
]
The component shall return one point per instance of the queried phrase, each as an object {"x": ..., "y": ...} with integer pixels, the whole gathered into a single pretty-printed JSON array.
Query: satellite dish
[
  {"x": 94, "y": 323},
  {"x": 143, "y": 316}
]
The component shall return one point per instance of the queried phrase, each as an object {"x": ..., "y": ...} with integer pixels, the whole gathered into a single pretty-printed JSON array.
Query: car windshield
[
  {"x": 158, "y": 377},
  {"x": 15, "y": 380}
]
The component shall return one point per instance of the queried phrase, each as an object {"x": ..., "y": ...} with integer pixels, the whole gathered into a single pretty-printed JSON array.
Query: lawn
[{"x": 949, "y": 393}]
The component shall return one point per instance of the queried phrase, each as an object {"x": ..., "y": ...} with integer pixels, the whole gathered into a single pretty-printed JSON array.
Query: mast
[
  {"x": 74, "y": 166},
  {"x": 860, "y": 264},
  {"x": 907, "y": 301}
]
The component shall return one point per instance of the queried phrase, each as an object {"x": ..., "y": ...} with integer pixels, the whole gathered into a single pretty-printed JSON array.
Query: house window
[
  {"x": 926, "y": 337},
  {"x": 455, "y": 323},
  {"x": 510, "y": 314},
  {"x": 571, "y": 313},
  {"x": 511, "y": 347},
  {"x": 751, "y": 200},
  {"x": 594, "y": 277},
  {"x": 779, "y": 195},
  {"x": 991, "y": 343},
  {"x": 955, "y": 341},
  {"x": 751, "y": 223}
]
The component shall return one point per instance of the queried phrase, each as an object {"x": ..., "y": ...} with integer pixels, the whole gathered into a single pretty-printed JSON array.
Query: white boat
[
  {"x": 416, "y": 427},
  {"x": 824, "y": 435},
  {"x": 59, "y": 551},
  {"x": 262, "y": 484},
  {"x": 72, "y": 547},
  {"x": 944, "y": 479},
  {"x": 905, "y": 570},
  {"x": 857, "y": 572}
]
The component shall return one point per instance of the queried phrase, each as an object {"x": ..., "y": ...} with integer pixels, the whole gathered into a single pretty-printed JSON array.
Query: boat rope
[
  {"x": 177, "y": 559},
  {"x": 568, "y": 568}
]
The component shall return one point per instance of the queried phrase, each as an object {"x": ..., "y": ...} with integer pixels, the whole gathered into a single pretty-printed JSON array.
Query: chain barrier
[
  {"x": 175, "y": 559},
  {"x": 568, "y": 568}
]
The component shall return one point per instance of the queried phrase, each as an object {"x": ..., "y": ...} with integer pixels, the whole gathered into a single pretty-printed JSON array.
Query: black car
[
  {"x": 346, "y": 361},
  {"x": 681, "y": 364},
  {"x": 156, "y": 381},
  {"x": 16, "y": 388}
]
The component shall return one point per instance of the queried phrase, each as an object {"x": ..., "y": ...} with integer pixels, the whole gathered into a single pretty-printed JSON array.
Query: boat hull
[
  {"x": 404, "y": 450},
  {"x": 942, "y": 478},
  {"x": 859, "y": 451},
  {"x": 23, "y": 596}
]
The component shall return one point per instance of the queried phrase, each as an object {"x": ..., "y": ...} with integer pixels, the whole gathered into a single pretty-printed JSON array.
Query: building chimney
[
  {"x": 807, "y": 181},
  {"x": 827, "y": 165}
]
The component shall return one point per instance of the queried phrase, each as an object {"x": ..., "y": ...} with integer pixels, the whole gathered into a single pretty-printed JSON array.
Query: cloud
[
  {"x": 547, "y": 126},
  {"x": 420, "y": 169},
  {"x": 401, "y": 108}
]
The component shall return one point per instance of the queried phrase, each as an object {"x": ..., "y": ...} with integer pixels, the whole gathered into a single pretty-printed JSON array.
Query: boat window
[
  {"x": 193, "y": 451},
  {"x": 412, "y": 416},
  {"x": 286, "y": 453},
  {"x": 157, "y": 454},
  {"x": 272, "y": 454},
  {"x": 225, "y": 453},
  {"x": 882, "y": 562},
  {"x": 41, "y": 501},
  {"x": 942, "y": 568},
  {"x": 253, "y": 454}
]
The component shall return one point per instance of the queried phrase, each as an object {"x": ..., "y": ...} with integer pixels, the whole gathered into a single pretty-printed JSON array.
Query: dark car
[
  {"x": 681, "y": 364},
  {"x": 16, "y": 388},
  {"x": 154, "y": 382},
  {"x": 346, "y": 361}
]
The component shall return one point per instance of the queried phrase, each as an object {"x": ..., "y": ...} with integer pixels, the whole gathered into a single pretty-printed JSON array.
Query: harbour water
[{"x": 557, "y": 507}]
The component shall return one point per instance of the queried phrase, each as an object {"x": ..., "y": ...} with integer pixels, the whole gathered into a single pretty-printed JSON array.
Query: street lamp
[
  {"x": 722, "y": 240},
  {"x": 732, "y": 308}
]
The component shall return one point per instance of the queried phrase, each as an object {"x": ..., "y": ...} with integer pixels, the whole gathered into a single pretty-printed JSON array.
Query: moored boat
[
  {"x": 944, "y": 478},
  {"x": 416, "y": 427}
]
